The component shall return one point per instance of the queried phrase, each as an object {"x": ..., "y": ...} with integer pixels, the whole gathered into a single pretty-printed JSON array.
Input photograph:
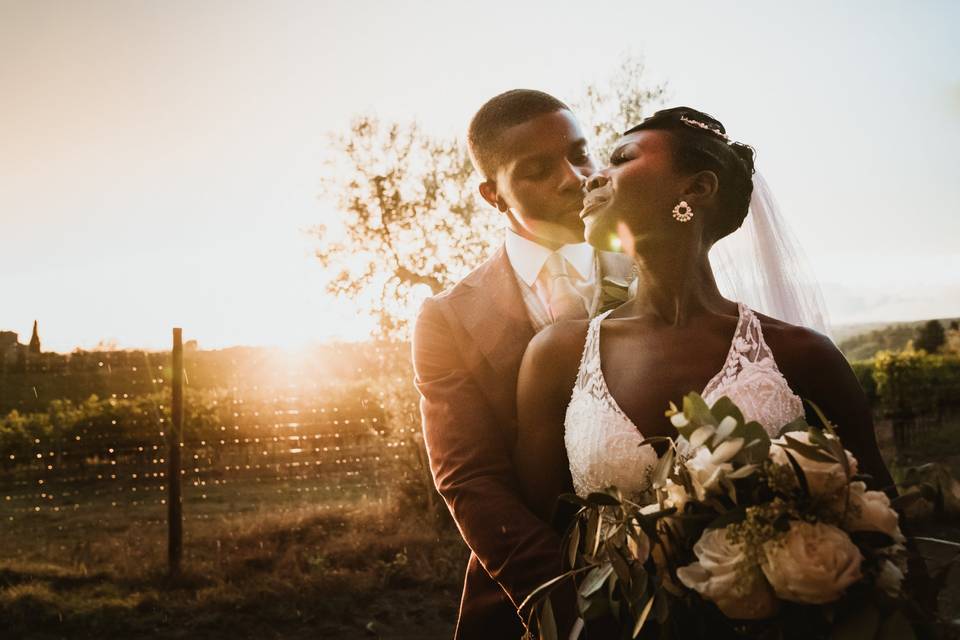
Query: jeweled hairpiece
[{"x": 707, "y": 127}]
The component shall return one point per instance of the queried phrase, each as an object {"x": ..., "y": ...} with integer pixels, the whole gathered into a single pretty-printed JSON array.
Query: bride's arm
[
  {"x": 827, "y": 379},
  {"x": 547, "y": 376}
]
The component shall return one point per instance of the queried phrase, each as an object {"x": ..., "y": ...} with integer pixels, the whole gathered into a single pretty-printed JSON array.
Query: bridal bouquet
[{"x": 740, "y": 535}]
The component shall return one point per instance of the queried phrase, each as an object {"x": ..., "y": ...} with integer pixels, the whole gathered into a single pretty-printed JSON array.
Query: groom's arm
[{"x": 472, "y": 465}]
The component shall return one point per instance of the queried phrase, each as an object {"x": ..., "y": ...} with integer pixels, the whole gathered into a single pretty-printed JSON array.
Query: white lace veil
[{"x": 762, "y": 265}]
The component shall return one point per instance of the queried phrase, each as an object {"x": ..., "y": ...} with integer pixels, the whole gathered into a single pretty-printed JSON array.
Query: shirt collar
[{"x": 527, "y": 257}]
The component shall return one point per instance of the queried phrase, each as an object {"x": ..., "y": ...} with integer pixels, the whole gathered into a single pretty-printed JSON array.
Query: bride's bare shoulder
[
  {"x": 554, "y": 353},
  {"x": 792, "y": 343}
]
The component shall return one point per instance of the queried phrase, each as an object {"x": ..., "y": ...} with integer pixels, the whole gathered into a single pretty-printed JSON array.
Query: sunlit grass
[{"x": 333, "y": 571}]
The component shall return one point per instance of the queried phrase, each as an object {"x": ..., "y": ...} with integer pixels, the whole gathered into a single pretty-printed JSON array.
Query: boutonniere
[{"x": 614, "y": 291}]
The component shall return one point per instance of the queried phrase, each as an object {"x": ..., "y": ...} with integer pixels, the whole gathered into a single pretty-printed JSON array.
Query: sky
[{"x": 160, "y": 162}]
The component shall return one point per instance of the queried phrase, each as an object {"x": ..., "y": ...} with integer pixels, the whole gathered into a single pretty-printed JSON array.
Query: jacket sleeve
[{"x": 472, "y": 466}]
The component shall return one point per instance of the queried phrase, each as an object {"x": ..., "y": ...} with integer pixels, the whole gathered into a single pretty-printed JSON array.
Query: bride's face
[{"x": 639, "y": 189}]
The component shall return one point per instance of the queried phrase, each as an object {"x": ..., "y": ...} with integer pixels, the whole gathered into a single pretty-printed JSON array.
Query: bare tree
[
  {"x": 611, "y": 107},
  {"x": 411, "y": 219}
]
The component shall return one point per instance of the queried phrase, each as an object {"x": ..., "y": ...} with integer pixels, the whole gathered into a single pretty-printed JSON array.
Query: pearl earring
[{"x": 683, "y": 212}]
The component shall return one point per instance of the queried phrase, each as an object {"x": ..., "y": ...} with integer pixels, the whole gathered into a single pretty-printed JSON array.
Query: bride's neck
[{"x": 676, "y": 283}]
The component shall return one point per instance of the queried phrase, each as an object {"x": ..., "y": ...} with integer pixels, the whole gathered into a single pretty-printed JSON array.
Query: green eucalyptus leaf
[
  {"x": 800, "y": 424},
  {"x": 725, "y": 407},
  {"x": 823, "y": 418},
  {"x": 818, "y": 437},
  {"x": 595, "y": 579},
  {"x": 573, "y": 544},
  {"x": 537, "y": 594},
  {"x": 600, "y": 498},
  {"x": 758, "y": 448},
  {"x": 808, "y": 451},
  {"x": 639, "y": 583},
  {"x": 661, "y": 471},
  {"x": 697, "y": 410},
  {"x": 548, "y": 624},
  {"x": 618, "y": 563},
  {"x": 642, "y": 618},
  {"x": 836, "y": 448},
  {"x": 574, "y": 499},
  {"x": 801, "y": 476},
  {"x": 654, "y": 440},
  {"x": 593, "y": 533}
]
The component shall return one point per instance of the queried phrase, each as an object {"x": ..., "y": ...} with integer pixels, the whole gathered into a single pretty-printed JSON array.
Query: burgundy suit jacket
[{"x": 467, "y": 347}]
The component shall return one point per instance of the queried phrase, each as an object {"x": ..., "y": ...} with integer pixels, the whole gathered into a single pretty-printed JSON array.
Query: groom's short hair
[{"x": 499, "y": 113}]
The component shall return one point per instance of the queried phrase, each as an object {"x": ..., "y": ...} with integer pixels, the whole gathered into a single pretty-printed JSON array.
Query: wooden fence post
[{"x": 174, "y": 436}]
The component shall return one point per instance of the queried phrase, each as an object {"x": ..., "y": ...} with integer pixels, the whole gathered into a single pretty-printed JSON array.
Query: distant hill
[{"x": 863, "y": 341}]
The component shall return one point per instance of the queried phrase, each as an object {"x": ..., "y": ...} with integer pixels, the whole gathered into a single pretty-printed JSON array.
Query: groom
[{"x": 469, "y": 341}]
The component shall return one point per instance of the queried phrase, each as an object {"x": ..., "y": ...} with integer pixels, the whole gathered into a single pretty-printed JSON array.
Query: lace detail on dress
[
  {"x": 751, "y": 379},
  {"x": 603, "y": 444}
]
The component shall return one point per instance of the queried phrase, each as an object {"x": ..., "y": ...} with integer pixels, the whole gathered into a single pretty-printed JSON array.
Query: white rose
[
  {"x": 811, "y": 563},
  {"x": 871, "y": 511},
  {"x": 718, "y": 576},
  {"x": 890, "y": 578},
  {"x": 823, "y": 478}
]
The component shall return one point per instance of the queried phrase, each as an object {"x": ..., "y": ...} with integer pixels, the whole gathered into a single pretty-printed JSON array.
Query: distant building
[
  {"x": 15, "y": 356},
  {"x": 12, "y": 353},
  {"x": 9, "y": 345},
  {"x": 35, "y": 339}
]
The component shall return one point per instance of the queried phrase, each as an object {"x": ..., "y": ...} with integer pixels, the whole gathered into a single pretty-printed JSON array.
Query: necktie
[{"x": 566, "y": 303}]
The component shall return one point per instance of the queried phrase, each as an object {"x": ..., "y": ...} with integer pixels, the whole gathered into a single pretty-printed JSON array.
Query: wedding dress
[{"x": 603, "y": 444}]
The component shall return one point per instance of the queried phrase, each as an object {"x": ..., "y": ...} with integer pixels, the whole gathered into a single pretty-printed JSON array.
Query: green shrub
[{"x": 911, "y": 383}]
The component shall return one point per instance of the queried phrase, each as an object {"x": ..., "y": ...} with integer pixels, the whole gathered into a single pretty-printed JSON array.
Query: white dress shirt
[{"x": 528, "y": 258}]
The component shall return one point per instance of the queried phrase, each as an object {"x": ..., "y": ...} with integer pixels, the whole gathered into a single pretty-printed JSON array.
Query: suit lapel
[{"x": 493, "y": 313}]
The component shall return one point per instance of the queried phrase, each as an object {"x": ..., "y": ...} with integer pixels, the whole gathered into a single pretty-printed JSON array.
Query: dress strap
[
  {"x": 757, "y": 348},
  {"x": 590, "y": 360},
  {"x": 747, "y": 347}
]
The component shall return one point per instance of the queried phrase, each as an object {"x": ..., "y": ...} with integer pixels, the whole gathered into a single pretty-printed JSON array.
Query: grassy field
[
  {"x": 263, "y": 559},
  {"x": 374, "y": 567}
]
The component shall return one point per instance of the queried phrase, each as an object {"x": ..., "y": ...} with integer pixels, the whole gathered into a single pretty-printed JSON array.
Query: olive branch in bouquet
[
  {"x": 740, "y": 535},
  {"x": 608, "y": 535}
]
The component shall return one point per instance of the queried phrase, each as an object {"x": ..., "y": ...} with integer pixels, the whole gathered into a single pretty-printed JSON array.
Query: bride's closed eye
[{"x": 621, "y": 155}]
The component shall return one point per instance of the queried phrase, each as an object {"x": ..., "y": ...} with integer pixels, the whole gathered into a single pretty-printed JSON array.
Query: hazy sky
[{"x": 160, "y": 160}]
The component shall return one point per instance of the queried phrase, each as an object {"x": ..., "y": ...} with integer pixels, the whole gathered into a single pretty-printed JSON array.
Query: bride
[{"x": 675, "y": 186}]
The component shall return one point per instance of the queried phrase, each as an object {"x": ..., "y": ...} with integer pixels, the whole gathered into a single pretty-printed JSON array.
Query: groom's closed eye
[
  {"x": 534, "y": 170},
  {"x": 580, "y": 154}
]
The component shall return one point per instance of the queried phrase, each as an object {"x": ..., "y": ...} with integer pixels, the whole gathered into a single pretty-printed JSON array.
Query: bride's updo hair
[{"x": 700, "y": 143}]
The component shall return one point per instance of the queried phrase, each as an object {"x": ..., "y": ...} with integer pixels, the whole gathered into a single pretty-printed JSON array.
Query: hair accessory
[
  {"x": 683, "y": 212},
  {"x": 707, "y": 127}
]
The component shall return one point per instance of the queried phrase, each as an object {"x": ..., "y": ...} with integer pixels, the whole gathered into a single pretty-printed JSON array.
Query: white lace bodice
[{"x": 603, "y": 444}]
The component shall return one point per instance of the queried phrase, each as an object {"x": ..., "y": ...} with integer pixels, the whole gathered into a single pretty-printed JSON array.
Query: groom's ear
[
  {"x": 703, "y": 187},
  {"x": 488, "y": 189}
]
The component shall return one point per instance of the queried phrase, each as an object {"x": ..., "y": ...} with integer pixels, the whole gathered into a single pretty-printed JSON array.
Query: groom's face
[{"x": 541, "y": 167}]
